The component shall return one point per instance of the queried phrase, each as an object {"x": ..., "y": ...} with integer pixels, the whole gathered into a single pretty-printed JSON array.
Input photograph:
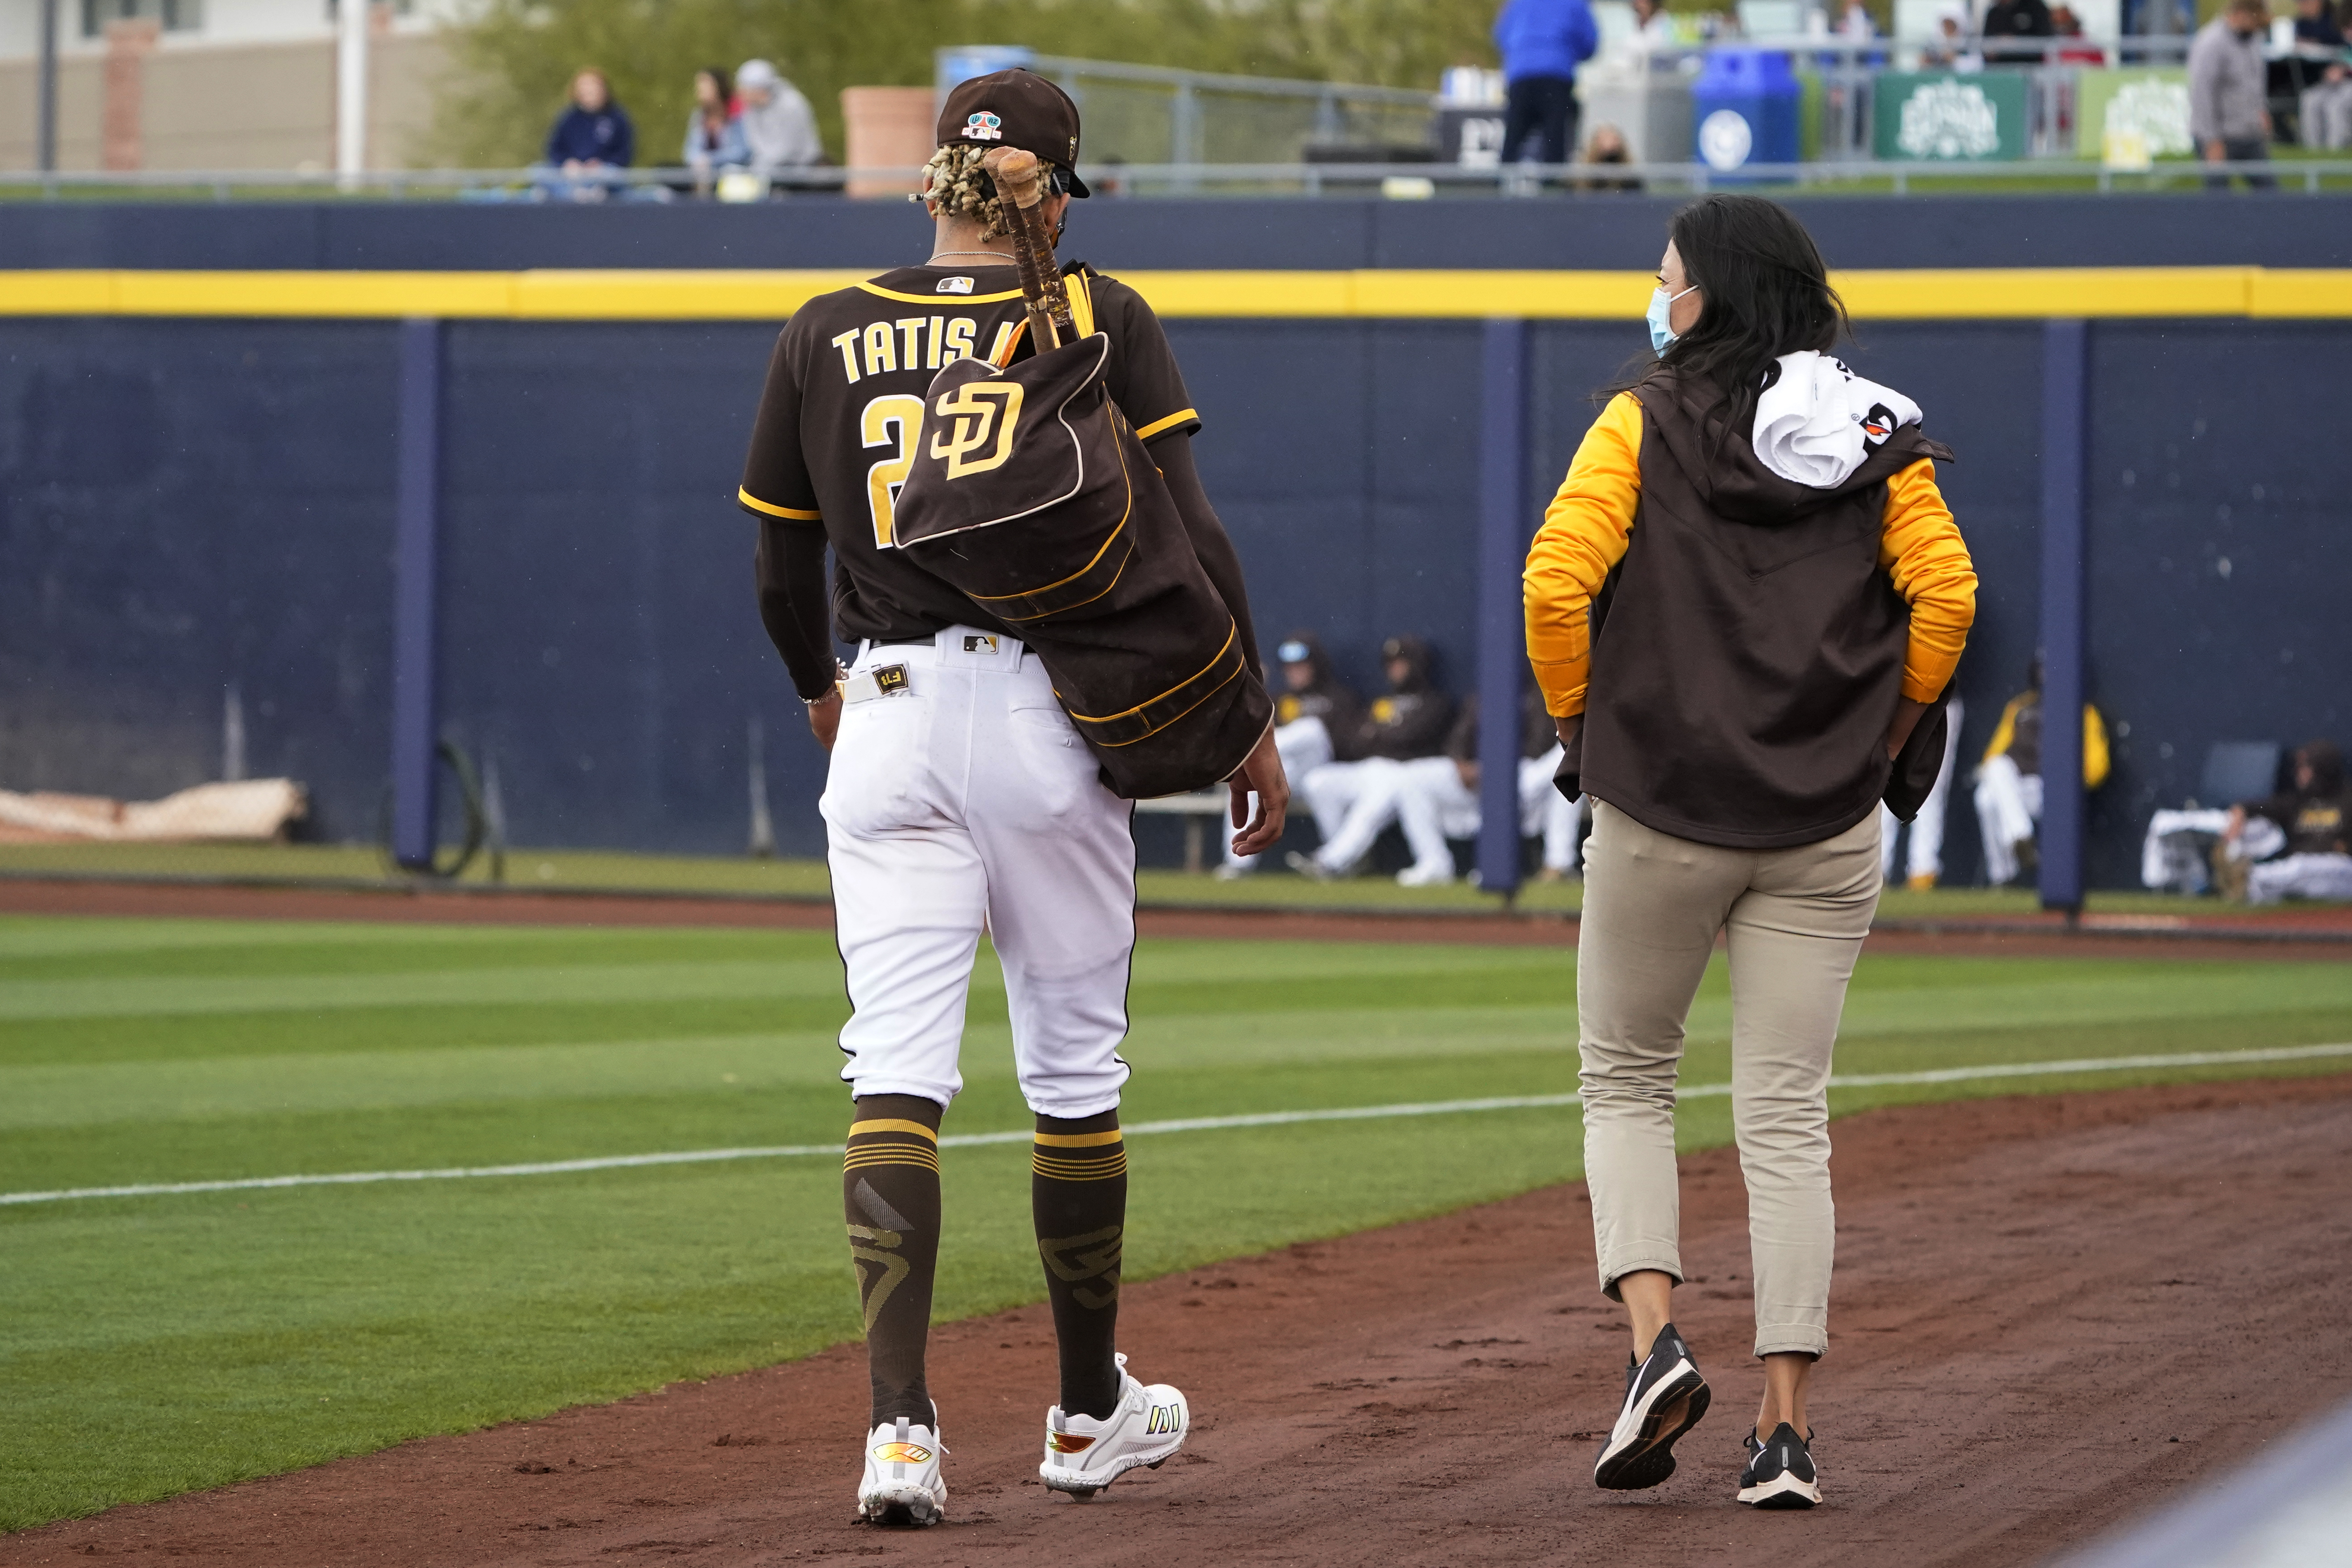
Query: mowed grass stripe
[{"x": 1194, "y": 1124}]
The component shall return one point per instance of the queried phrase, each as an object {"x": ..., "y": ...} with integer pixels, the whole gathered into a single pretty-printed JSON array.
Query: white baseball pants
[
  {"x": 2300, "y": 877},
  {"x": 2009, "y": 804},
  {"x": 1351, "y": 802},
  {"x": 967, "y": 801},
  {"x": 1544, "y": 811}
]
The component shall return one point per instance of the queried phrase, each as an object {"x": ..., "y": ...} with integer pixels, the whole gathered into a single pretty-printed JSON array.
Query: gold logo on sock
[
  {"x": 1094, "y": 1256},
  {"x": 874, "y": 1288}
]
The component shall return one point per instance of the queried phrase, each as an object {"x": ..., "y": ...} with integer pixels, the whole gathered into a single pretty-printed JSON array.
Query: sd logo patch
[{"x": 982, "y": 416}]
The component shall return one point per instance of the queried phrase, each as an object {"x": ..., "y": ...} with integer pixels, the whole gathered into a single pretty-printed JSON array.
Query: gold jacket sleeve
[
  {"x": 1922, "y": 550},
  {"x": 1584, "y": 533}
]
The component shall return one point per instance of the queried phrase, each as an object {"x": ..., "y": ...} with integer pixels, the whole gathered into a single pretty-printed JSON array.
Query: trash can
[
  {"x": 1744, "y": 109},
  {"x": 959, "y": 63}
]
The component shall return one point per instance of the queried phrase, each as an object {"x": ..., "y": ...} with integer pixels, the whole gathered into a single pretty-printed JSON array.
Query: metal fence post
[
  {"x": 416, "y": 571},
  {"x": 1502, "y": 558},
  {"x": 2065, "y": 428}
]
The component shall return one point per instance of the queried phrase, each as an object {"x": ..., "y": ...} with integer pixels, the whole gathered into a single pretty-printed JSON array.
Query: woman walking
[{"x": 1787, "y": 598}]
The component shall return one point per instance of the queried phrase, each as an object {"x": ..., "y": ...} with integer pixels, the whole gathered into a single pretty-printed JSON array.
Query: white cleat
[
  {"x": 1084, "y": 1455},
  {"x": 903, "y": 1484}
]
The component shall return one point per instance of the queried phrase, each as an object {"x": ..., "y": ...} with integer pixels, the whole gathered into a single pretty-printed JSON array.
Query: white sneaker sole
[
  {"x": 1084, "y": 1484},
  {"x": 1783, "y": 1491},
  {"x": 1640, "y": 1454}
]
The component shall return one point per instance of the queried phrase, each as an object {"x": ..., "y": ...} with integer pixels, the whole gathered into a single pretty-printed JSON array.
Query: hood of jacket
[
  {"x": 1416, "y": 656},
  {"x": 2326, "y": 761},
  {"x": 1316, "y": 660},
  {"x": 1692, "y": 415}
]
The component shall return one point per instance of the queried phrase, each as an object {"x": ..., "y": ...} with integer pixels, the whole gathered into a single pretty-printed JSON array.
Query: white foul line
[{"x": 1187, "y": 1124}]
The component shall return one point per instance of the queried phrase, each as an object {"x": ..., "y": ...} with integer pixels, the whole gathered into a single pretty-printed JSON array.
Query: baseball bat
[{"x": 1020, "y": 179}]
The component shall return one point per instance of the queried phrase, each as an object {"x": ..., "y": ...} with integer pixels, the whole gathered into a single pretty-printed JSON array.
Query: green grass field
[{"x": 160, "y": 1344}]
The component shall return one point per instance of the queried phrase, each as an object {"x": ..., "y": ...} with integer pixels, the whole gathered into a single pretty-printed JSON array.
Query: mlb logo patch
[
  {"x": 983, "y": 126},
  {"x": 955, "y": 286},
  {"x": 978, "y": 644}
]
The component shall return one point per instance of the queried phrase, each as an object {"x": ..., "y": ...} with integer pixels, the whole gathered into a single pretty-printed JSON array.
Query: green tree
[{"x": 515, "y": 60}]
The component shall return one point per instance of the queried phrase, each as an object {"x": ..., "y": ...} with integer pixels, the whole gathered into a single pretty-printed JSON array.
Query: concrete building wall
[{"x": 212, "y": 106}]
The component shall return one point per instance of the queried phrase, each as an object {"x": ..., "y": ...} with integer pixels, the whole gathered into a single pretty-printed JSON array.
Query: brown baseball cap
[{"x": 1020, "y": 109}]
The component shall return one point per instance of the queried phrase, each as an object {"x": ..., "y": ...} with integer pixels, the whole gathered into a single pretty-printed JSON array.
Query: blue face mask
[{"x": 1662, "y": 336}]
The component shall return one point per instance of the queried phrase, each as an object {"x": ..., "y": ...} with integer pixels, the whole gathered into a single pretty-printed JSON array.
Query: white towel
[{"x": 1819, "y": 422}]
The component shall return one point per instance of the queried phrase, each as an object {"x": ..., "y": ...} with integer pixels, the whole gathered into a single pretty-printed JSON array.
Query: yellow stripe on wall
[{"x": 681, "y": 295}]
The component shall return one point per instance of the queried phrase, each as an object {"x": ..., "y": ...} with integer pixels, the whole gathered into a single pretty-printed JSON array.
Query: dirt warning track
[
  {"x": 2046, "y": 1310},
  {"x": 2318, "y": 933}
]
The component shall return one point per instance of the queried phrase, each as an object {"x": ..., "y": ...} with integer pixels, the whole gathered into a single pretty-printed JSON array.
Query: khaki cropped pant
[{"x": 1795, "y": 920}]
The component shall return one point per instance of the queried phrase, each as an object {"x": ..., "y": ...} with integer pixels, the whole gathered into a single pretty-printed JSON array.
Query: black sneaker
[
  {"x": 1665, "y": 1397},
  {"x": 1779, "y": 1473}
]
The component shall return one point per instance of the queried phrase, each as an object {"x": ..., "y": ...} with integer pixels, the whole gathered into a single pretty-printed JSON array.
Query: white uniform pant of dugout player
[
  {"x": 967, "y": 800},
  {"x": 1429, "y": 802}
]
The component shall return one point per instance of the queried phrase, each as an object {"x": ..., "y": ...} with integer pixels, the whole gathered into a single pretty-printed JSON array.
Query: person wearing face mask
[
  {"x": 1743, "y": 606},
  {"x": 2228, "y": 91}
]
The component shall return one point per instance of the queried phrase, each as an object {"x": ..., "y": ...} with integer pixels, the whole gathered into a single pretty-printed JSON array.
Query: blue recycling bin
[
  {"x": 958, "y": 64},
  {"x": 1745, "y": 109}
]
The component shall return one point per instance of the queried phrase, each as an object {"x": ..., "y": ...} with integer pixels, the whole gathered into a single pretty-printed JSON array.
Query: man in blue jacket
[{"x": 1542, "y": 42}]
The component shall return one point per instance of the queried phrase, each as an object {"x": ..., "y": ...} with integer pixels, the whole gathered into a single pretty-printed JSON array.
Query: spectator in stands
[
  {"x": 2065, "y": 24},
  {"x": 2016, "y": 19},
  {"x": 779, "y": 127},
  {"x": 2325, "y": 111},
  {"x": 1353, "y": 801},
  {"x": 2228, "y": 88},
  {"x": 1925, "y": 864},
  {"x": 593, "y": 136},
  {"x": 1438, "y": 798},
  {"x": 2312, "y": 822},
  {"x": 1951, "y": 50},
  {"x": 714, "y": 140},
  {"x": 2009, "y": 780},
  {"x": 1652, "y": 26},
  {"x": 1542, "y": 42},
  {"x": 1607, "y": 145},
  {"x": 1317, "y": 718}
]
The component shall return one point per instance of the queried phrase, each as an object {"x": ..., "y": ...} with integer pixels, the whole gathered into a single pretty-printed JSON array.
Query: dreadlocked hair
[{"x": 953, "y": 182}]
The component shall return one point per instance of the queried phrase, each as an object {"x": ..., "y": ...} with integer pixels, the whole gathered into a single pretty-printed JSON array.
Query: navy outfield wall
[
  {"x": 191, "y": 503},
  {"x": 2278, "y": 229}
]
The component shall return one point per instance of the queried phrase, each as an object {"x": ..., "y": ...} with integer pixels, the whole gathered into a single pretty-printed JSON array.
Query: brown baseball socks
[
  {"x": 890, "y": 1195},
  {"x": 1077, "y": 1194}
]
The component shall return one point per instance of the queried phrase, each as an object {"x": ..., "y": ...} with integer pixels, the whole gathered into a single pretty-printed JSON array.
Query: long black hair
[{"x": 1765, "y": 291}]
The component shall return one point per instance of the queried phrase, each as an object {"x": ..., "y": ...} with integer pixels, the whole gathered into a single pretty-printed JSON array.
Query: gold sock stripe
[
  {"x": 1057, "y": 1170},
  {"x": 891, "y": 1154},
  {"x": 1078, "y": 1140},
  {"x": 858, "y": 1129}
]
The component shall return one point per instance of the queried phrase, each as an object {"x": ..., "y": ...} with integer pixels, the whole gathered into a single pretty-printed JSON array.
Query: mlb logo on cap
[{"x": 984, "y": 127}]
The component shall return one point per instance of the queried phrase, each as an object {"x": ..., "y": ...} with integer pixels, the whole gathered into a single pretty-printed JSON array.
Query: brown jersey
[{"x": 836, "y": 435}]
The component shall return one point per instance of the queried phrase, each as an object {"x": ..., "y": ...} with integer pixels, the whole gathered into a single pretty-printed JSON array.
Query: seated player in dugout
[
  {"x": 2009, "y": 780},
  {"x": 1315, "y": 718},
  {"x": 959, "y": 794},
  {"x": 2311, "y": 823},
  {"x": 1355, "y": 801}
]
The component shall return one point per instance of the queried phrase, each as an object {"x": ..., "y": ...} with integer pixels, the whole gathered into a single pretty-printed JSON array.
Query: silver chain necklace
[{"x": 993, "y": 255}]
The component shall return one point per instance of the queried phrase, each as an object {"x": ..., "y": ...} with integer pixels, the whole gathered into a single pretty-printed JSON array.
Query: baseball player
[
  {"x": 1316, "y": 714},
  {"x": 959, "y": 796}
]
